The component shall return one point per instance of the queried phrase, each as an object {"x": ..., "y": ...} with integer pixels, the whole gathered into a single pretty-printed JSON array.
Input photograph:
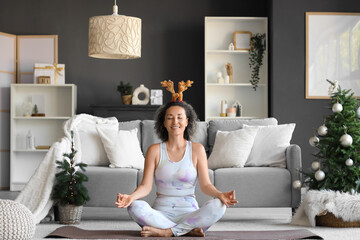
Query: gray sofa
[{"x": 256, "y": 187}]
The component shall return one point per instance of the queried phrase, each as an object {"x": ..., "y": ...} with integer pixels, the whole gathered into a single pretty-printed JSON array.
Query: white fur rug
[{"x": 342, "y": 205}]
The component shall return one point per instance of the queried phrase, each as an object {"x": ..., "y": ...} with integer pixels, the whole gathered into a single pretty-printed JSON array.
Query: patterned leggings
[{"x": 180, "y": 214}]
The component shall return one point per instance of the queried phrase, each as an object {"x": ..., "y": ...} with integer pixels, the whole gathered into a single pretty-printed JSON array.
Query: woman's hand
[
  {"x": 123, "y": 200},
  {"x": 228, "y": 198}
]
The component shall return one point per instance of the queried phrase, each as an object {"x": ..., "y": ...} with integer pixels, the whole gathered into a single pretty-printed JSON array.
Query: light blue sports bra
[{"x": 176, "y": 178}]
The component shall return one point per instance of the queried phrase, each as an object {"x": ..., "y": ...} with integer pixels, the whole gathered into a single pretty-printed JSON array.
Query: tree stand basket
[
  {"x": 70, "y": 214},
  {"x": 329, "y": 220}
]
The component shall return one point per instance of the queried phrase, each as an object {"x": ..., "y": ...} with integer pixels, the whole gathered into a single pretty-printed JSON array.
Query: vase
[
  {"x": 70, "y": 214},
  {"x": 126, "y": 99}
]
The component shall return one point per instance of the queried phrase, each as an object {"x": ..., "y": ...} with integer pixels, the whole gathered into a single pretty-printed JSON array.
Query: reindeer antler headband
[{"x": 182, "y": 87}]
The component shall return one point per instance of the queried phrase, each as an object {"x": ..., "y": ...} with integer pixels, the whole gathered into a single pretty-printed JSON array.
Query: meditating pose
[{"x": 177, "y": 164}]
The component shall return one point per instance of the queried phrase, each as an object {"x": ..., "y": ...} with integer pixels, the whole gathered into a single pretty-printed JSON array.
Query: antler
[
  {"x": 170, "y": 87},
  {"x": 182, "y": 87}
]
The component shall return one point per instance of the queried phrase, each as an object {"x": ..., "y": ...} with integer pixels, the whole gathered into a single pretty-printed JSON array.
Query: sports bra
[{"x": 176, "y": 178}]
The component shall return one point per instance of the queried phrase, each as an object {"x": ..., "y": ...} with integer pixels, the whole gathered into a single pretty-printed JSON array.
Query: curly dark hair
[{"x": 160, "y": 118}]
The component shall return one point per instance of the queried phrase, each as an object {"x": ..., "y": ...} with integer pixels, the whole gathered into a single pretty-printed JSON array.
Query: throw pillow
[
  {"x": 270, "y": 145},
  {"x": 122, "y": 148},
  {"x": 231, "y": 149},
  {"x": 92, "y": 149}
]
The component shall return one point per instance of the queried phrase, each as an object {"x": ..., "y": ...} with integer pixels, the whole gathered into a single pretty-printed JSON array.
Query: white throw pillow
[
  {"x": 122, "y": 148},
  {"x": 270, "y": 145},
  {"x": 92, "y": 149},
  {"x": 231, "y": 149}
]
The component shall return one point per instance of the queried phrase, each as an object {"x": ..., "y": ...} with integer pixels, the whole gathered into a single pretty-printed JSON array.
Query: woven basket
[
  {"x": 329, "y": 220},
  {"x": 70, "y": 214}
]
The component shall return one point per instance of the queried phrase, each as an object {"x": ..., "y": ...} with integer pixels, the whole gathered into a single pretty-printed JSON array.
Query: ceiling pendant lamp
[{"x": 115, "y": 36}]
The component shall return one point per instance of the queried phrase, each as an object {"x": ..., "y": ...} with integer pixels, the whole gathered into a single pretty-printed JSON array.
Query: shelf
[
  {"x": 233, "y": 85},
  {"x": 29, "y": 150},
  {"x": 41, "y": 118},
  {"x": 228, "y": 51},
  {"x": 30, "y": 85}
]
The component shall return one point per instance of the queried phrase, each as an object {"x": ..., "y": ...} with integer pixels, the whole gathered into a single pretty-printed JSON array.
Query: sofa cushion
[
  {"x": 200, "y": 197},
  {"x": 149, "y": 136},
  {"x": 122, "y": 147},
  {"x": 104, "y": 184},
  {"x": 232, "y": 149},
  {"x": 270, "y": 145},
  {"x": 131, "y": 125},
  {"x": 233, "y": 124},
  {"x": 92, "y": 149},
  {"x": 256, "y": 186}
]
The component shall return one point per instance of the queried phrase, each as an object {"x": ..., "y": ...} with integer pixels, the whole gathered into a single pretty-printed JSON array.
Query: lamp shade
[{"x": 115, "y": 37}]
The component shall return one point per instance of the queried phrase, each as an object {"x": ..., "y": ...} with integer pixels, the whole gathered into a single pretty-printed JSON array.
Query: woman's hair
[{"x": 160, "y": 117}]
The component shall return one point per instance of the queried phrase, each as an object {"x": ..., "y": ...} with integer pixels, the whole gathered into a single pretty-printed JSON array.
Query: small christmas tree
[
  {"x": 69, "y": 188},
  {"x": 338, "y": 141}
]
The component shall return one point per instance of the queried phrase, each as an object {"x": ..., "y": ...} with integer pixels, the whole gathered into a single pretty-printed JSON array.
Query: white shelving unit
[
  {"x": 59, "y": 103},
  {"x": 218, "y": 35}
]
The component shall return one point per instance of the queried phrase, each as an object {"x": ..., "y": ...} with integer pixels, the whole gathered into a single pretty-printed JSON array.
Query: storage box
[
  {"x": 156, "y": 97},
  {"x": 56, "y": 72}
]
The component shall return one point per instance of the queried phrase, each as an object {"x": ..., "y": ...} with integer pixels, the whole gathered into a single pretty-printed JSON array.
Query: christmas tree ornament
[
  {"x": 315, "y": 165},
  {"x": 296, "y": 184},
  {"x": 322, "y": 130},
  {"x": 319, "y": 175},
  {"x": 334, "y": 85},
  {"x": 346, "y": 140},
  {"x": 337, "y": 107},
  {"x": 349, "y": 162},
  {"x": 358, "y": 112},
  {"x": 314, "y": 141}
]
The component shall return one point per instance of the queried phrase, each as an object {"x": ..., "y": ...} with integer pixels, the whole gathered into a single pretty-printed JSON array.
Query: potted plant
[
  {"x": 256, "y": 55},
  {"x": 69, "y": 191},
  {"x": 126, "y": 92}
]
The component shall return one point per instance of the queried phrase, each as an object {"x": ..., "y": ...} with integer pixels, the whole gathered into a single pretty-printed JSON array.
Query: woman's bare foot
[
  {"x": 196, "y": 232},
  {"x": 148, "y": 231}
]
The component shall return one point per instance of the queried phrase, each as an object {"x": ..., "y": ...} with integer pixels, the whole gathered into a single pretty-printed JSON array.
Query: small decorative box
[
  {"x": 156, "y": 97},
  {"x": 43, "y": 80},
  {"x": 56, "y": 72}
]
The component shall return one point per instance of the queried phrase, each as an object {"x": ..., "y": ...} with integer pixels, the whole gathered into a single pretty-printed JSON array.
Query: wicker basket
[
  {"x": 329, "y": 220},
  {"x": 70, "y": 214}
]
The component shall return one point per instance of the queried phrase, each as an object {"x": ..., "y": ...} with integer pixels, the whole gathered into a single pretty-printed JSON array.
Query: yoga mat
[{"x": 78, "y": 233}]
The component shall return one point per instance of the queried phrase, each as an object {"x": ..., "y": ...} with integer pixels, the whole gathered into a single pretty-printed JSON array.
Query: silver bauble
[
  {"x": 296, "y": 184},
  {"x": 346, "y": 140},
  {"x": 358, "y": 112},
  {"x": 322, "y": 130},
  {"x": 315, "y": 165},
  {"x": 314, "y": 141},
  {"x": 337, "y": 107},
  {"x": 349, "y": 162},
  {"x": 319, "y": 175}
]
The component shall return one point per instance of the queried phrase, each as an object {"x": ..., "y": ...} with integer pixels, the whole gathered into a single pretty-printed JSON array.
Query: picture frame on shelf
[
  {"x": 242, "y": 40},
  {"x": 332, "y": 53}
]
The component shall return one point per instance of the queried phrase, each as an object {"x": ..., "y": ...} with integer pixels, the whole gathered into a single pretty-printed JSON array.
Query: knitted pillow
[{"x": 16, "y": 221}]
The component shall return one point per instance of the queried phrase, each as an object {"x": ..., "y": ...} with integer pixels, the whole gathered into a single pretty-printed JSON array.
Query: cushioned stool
[{"x": 16, "y": 221}]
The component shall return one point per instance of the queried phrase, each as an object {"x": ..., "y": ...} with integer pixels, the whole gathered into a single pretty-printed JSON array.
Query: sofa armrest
[{"x": 293, "y": 162}]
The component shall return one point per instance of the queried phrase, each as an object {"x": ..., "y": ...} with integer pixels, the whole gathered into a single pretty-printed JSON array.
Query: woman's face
[{"x": 175, "y": 120}]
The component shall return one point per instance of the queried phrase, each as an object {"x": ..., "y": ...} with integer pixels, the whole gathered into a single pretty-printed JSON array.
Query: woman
[{"x": 177, "y": 164}]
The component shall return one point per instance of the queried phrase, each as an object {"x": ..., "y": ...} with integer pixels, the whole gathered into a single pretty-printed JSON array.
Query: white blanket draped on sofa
[{"x": 36, "y": 195}]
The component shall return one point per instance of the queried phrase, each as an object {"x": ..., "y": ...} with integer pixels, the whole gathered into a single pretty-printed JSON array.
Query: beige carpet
[{"x": 44, "y": 229}]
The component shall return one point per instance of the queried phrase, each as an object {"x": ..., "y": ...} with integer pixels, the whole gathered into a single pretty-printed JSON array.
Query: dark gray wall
[
  {"x": 173, "y": 48},
  {"x": 172, "y": 41},
  {"x": 287, "y": 64}
]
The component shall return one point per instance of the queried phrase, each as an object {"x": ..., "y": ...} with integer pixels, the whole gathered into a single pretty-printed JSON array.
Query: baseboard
[{"x": 4, "y": 188}]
